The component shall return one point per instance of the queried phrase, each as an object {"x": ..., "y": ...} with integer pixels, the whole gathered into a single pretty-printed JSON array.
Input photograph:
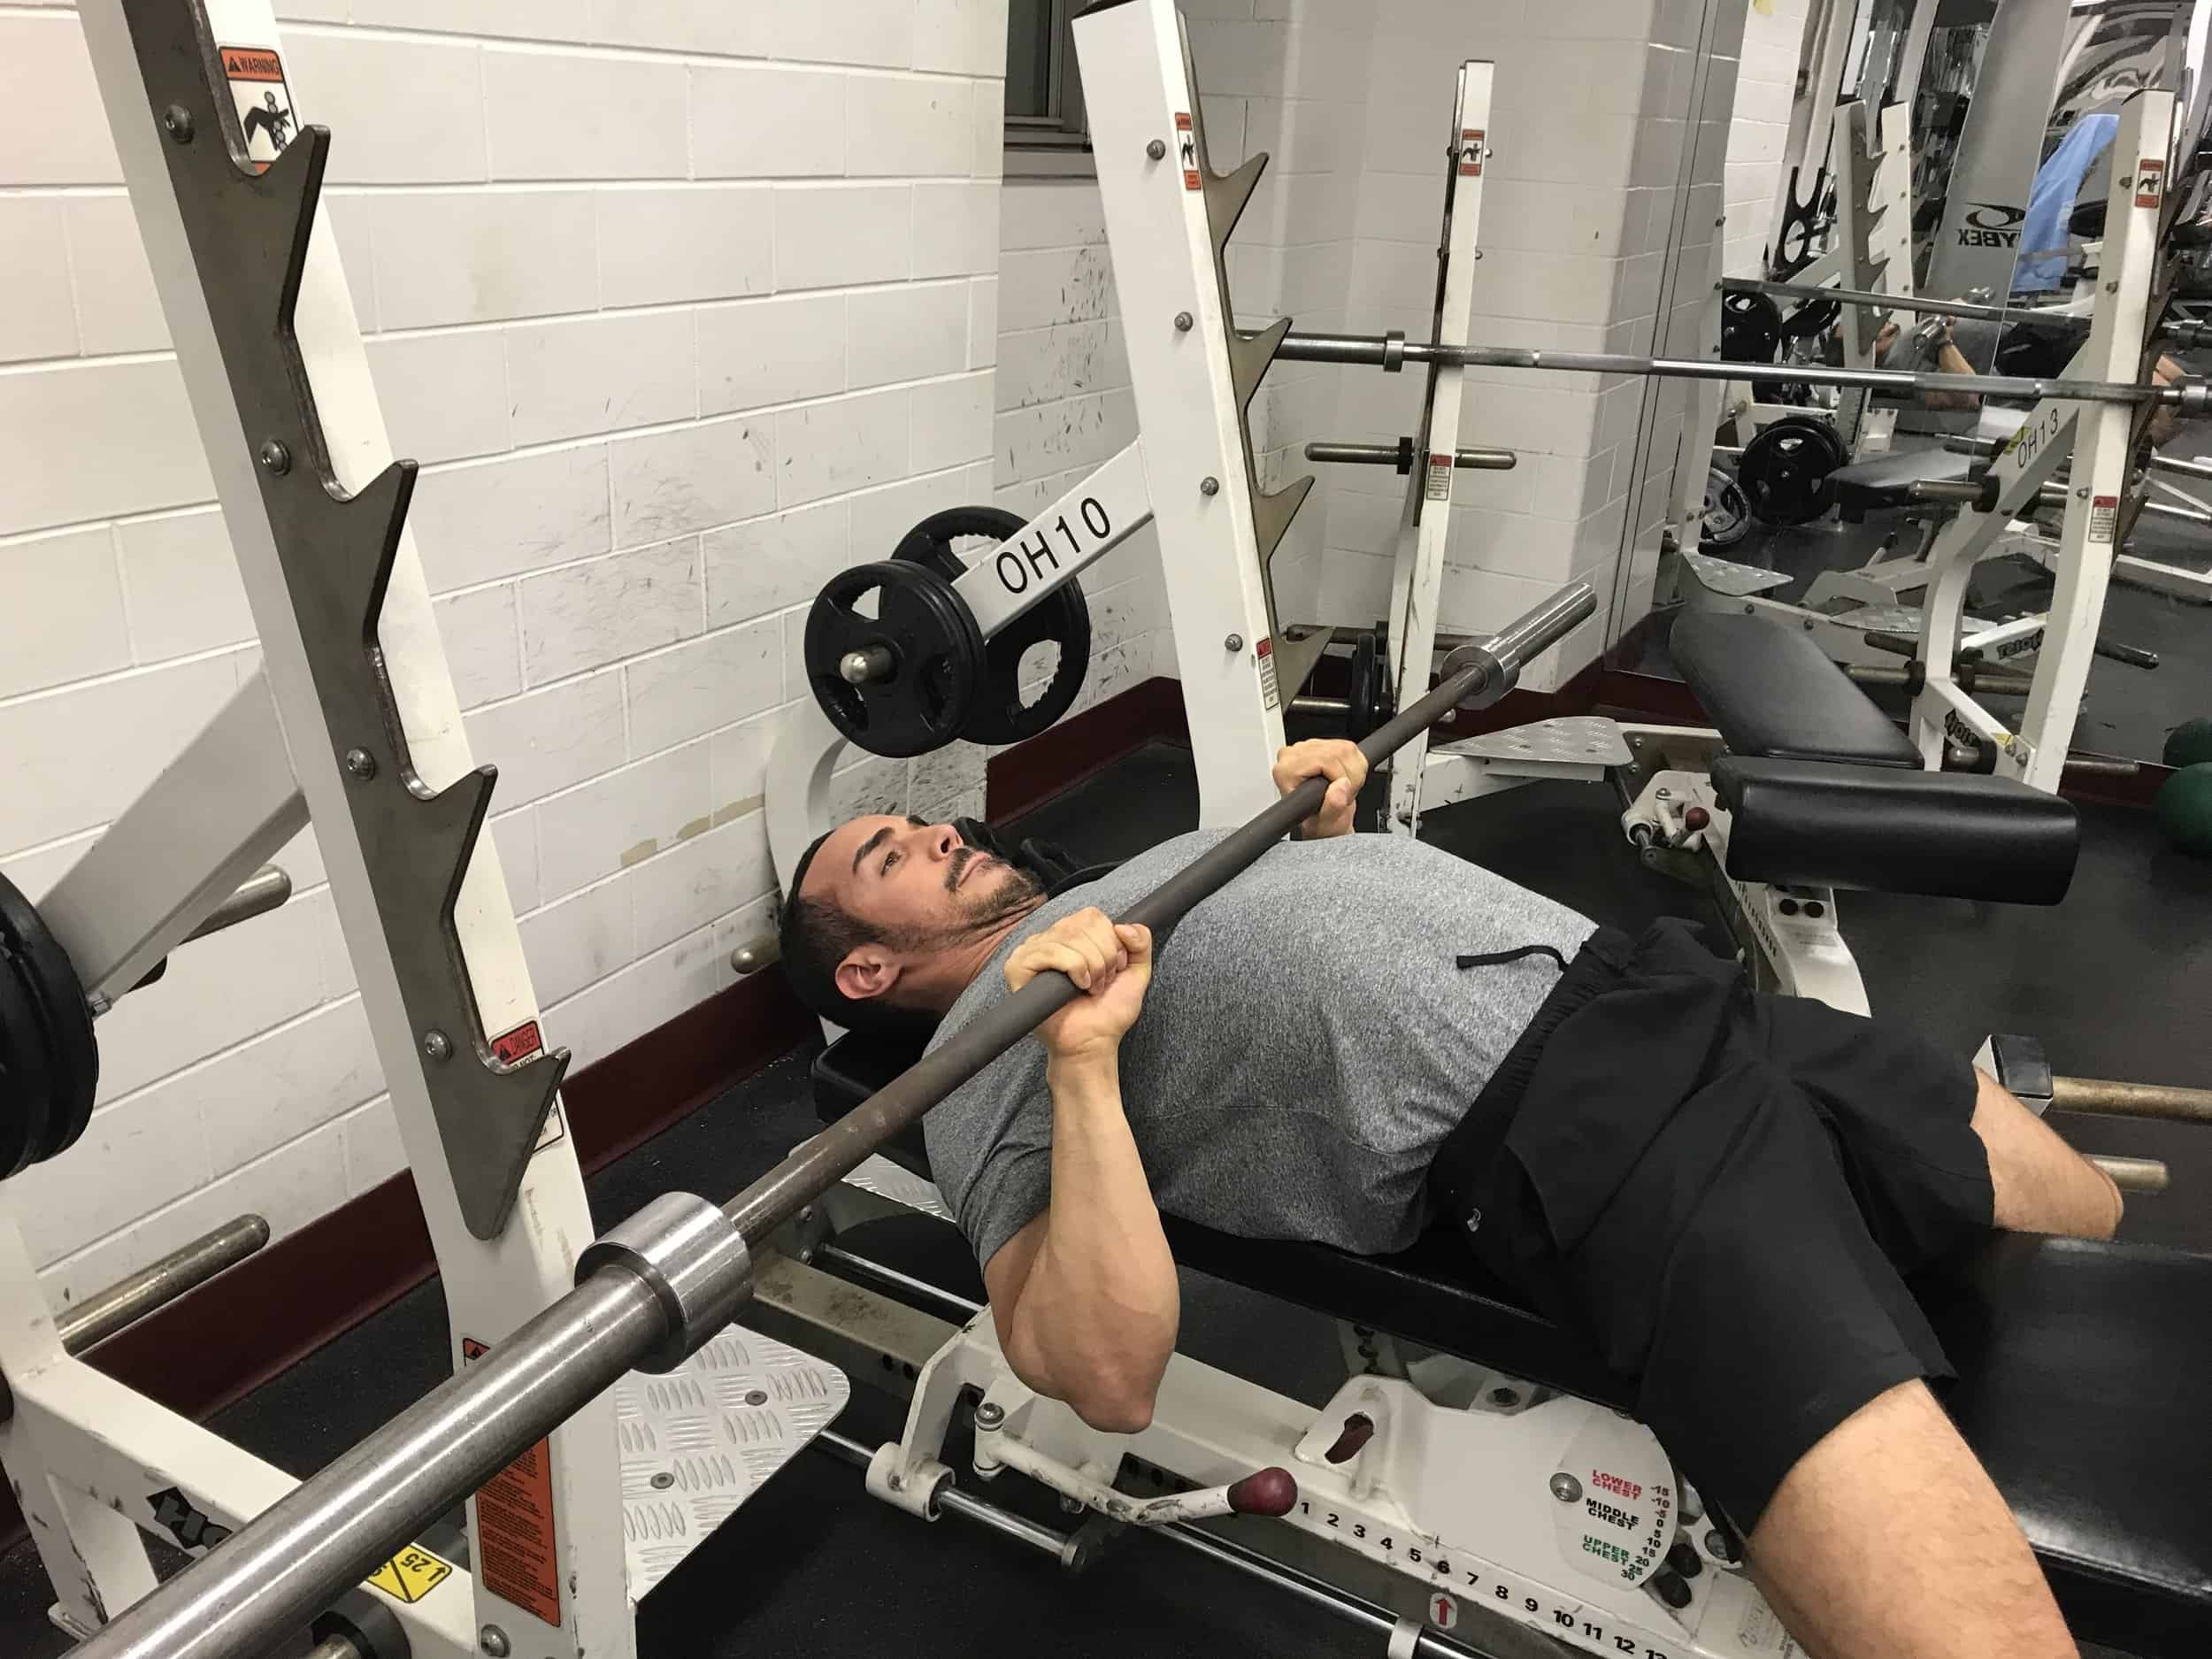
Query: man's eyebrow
[{"x": 870, "y": 845}]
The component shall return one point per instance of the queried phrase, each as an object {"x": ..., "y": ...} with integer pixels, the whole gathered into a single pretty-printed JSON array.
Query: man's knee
[{"x": 1888, "y": 1538}]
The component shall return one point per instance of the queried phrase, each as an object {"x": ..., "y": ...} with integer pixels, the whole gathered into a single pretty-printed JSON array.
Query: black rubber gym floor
[{"x": 813, "y": 1565}]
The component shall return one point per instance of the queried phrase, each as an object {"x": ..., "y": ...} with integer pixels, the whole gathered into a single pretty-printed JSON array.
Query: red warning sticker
[
  {"x": 2104, "y": 518},
  {"x": 1439, "y": 487},
  {"x": 1470, "y": 152},
  {"x": 517, "y": 1558},
  {"x": 519, "y": 1044},
  {"x": 266, "y": 120},
  {"x": 2150, "y": 182},
  {"x": 1186, "y": 151},
  {"x": 1265, "y": 652}
]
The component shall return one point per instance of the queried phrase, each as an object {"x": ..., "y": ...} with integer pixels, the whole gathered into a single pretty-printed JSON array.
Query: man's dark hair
[{"x": 817, "y": 934}]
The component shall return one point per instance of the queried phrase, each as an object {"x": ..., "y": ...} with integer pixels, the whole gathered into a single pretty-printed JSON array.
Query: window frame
[{"x": 1056, "y": 144}]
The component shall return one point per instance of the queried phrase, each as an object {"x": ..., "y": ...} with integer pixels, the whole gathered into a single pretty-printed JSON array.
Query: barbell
[
  {"x": 1391, "y": 352},
  {"x": 2179, "y": 331},
  {"x": 660, "y": 1284}
]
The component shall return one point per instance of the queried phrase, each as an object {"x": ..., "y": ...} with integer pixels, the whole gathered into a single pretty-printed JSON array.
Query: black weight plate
[
  {"x": 923, "y": 701},
  {"x": 27, "y": 1093},
  {"x": 1786, "y": 471},
  {"x": 1750, "y": 329},
  {"x": 1727, "y": 514},
  {"x": 1000, "y": 716},
  {"x": 72, "y": 1053},
  {"x": 1810, "y": 318},
  {"x": 1794, "y": 251}
]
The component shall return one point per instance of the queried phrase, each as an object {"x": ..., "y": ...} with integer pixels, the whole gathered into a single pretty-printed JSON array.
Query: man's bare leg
[
  {"x": 1888, "y": 1541},
  {"x": 2042, "y": 1184}
]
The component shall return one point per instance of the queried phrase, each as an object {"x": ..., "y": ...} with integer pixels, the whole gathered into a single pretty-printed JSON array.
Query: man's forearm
[{"x": 1096, "y": 1320}]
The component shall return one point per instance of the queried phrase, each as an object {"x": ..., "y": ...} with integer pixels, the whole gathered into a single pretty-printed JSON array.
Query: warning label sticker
[
  {"x": 520, "y": 1044},
  {"x": 516, "y": 1557},
  {"x": 2104, "y": 518},
  {"x": 257, "y": 88},
  {"x": 1470, "y": 152},
  {"x": 410, "y": 1575},
  {"x": 1268, "y": 694},
  {"x": 2150, "y": 182},
  {"x": 1186, "y": 151},
  {"x": 1440, "y": 477}
]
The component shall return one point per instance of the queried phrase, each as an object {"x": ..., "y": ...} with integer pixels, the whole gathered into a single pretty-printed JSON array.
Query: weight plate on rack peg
[
  {"x": 1787, "y": 469},
  {"x": 1750, "y": 329},
  {"x": 1727, "y": 514},
  {"x": 50, "y": 1063},
  {"x": 925, "y": 643},
  {"x": 1001, "y": 714}
]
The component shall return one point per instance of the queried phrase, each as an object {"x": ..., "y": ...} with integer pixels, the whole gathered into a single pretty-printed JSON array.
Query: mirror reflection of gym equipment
[
  {"x": 1963, "y": 229},
  {"x": 628, "y": 1419}
]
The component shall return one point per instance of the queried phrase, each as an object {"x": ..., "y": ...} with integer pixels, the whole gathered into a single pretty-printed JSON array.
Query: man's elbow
[
  {"x": 1114, "y": 1399},
  {"x": 1116, "y": 1405}
]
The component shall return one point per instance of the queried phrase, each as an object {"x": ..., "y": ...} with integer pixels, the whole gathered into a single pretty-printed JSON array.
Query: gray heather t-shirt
[{"x": 1307, "y": 1042}]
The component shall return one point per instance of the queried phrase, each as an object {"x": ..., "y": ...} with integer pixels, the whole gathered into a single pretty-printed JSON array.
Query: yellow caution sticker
[{"x": 412, "y": 1574}]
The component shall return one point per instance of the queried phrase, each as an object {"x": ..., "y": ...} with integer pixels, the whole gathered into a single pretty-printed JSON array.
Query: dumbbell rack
[{"x": 352, "y": 722}]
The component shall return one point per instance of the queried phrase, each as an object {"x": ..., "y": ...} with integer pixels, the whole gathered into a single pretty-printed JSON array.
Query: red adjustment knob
[
  {"x": 1696, "y": 819},
  {"x": 1266, "y": 1492},
  {"x": 1359, "y": 1428}
]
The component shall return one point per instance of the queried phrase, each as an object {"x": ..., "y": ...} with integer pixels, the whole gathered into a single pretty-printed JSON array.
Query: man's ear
[{"x": 868, "y": 970}]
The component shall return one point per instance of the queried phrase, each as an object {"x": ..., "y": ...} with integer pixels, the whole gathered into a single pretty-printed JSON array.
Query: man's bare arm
[{"x": 1085, "y": 1297}]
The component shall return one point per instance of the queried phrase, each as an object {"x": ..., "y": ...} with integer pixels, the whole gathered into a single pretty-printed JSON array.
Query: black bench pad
[
  {"x": 1957, "y": 835},
  {"x": 2082, "y": 1385},
  {"x": 1773, "y": 693}
]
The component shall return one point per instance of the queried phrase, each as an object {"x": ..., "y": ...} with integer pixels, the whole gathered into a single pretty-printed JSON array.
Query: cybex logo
[{"x": 1992, "y": 225}]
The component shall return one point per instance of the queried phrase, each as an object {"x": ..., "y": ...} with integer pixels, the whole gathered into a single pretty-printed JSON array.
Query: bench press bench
[
  {"x": 2086, "y": 1370},
  {"x": 2083, "y": 1368},
  {"x": 1824, "y": 791}
]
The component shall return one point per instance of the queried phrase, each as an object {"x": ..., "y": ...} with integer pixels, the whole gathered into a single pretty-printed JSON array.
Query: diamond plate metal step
[
  {"x": 1730, "y": 579},
  {"x": 878, "y": 1175},
  {"x": 698, "y": 1442},
  {"x": 1582, "y": 739}
]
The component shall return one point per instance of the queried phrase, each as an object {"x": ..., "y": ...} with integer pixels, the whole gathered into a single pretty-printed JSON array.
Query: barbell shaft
[
  {"x": 2193, "y": 398},
  {"x": 815, "y": 1166},
  {"x": 2135, "y": 1175},
  {"x": 269, "y": 1578},
  {"x": 2105, "y": 1097},
  {"x": 2180, "y": 331},
  {"x": 1391, "y": 454},
  {"x": 268, "y": 1581},
  {"x": 1891, "y": 302},
  {"x": 871, "y": 661}
]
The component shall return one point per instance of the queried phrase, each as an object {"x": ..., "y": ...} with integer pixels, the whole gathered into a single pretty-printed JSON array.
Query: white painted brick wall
[
  {"x": 1773, "y": 40},
  {"x": 726, "y": 325},
  {"x": 1061, "y": 362},
  {"x": 1587, "y": 126}
]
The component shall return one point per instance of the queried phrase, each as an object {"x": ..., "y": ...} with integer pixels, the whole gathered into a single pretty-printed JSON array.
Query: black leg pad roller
[{"x": 1944, "y": 834}]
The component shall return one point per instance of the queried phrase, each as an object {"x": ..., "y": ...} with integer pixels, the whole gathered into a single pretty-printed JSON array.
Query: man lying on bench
[{"x": 1723, "y": 1189}]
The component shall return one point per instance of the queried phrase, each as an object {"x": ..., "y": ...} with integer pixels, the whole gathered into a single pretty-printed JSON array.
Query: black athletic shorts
[{"x": 1723, "y": 1189}]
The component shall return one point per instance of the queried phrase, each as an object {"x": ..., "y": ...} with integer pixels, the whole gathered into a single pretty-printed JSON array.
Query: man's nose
[{"x": 940, "y": 839}]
